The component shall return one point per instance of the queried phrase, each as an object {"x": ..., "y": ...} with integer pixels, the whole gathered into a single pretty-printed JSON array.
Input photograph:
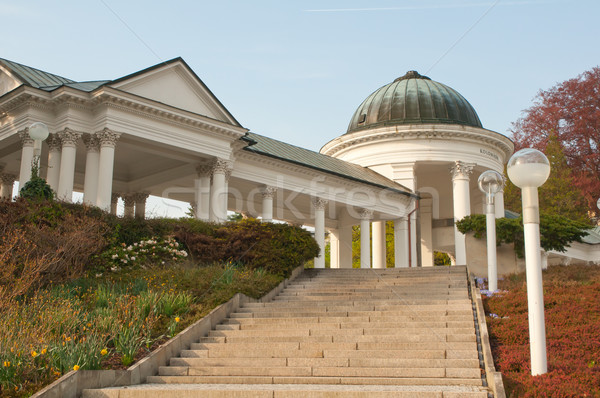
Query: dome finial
[{"x": 412, "y": 74}]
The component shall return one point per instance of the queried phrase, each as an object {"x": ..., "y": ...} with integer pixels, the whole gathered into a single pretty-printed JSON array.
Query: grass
[
  {"x": 572, "y": 315},
  {"x": 112, "y": 320}
]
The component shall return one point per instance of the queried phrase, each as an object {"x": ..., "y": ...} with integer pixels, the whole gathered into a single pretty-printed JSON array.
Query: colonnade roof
[
  {"x": 290, "y": 153},
  {"x": 34, "y": 77}
]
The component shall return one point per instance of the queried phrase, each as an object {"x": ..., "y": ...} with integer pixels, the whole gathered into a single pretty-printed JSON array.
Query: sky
[{"x": 296, "y": 70}]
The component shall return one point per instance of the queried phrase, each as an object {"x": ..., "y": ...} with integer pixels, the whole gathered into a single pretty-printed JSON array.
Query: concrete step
[
  {"x": 441, "y": 383},
  {"x": 307, "y": 371},
  {"x": 327, "y": 362},
  {"x": 336, "y": 333},
  {"x": 306, "y": 337},
  {"x": 282, "y": 391},
  {"x": 320, "y": 329}
]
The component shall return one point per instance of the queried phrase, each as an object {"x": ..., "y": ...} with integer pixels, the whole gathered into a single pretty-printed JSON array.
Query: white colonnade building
[
  {"x": 411, "y": 158},
  {"x": 162, "y": 132}
]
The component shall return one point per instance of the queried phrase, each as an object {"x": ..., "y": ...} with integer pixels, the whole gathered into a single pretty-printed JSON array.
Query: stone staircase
[{"x": 336, "y": 333}]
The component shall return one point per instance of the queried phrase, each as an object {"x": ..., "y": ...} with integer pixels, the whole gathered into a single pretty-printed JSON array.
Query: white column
[
  {"x": 140, "y": 204},
  {"x": 334, "y": 248},
  {"x": 365, "y": 238},
  {"x": 202, "y": 209},
  {"x": 319, "y": 206},
  {"x": 267, "y": 193},
  {"x": 114, "y": 201},
  {"x": 426, "y": 220},
  {"x": 6, "y": 189},
  {"x": 26, "y": 157},
  {"x": 218, "y": 200},
  {"x": 462, "y": 205},
  {"x": 129, "y": 205},
  {"x": 92, "y": 163},
  {"x": 379, "y": 243},
  {"x": 108, "y": 140},
  {"x": 401, "y": 243},
  {"x": 54, "y": 150},
  {"x": 68, "y": 139},
  {"x": 345, "y": 246},
  {"x": 499, "y": 204}
]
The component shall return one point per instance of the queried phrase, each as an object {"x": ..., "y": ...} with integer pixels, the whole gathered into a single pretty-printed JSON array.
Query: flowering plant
[{"x": 145, "y": 253}]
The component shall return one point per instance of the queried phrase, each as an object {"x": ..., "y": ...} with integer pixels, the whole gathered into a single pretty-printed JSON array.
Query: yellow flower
[
  {"x": 44, "y": 351},
  {"x": 34, "y": 354},
  {"x": 76, "y": 367},
  {"x": 177, "y": 319},
  {"x": 6, "y": 364},
  {"x": 104, "y": 351}
]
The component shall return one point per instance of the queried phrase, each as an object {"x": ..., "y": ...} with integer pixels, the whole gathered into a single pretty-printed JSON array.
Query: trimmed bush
[{"x": 276, "y": 248}]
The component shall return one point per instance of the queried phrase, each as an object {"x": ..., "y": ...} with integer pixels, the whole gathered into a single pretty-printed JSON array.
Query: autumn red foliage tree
[{"x": 570, "y": 111}]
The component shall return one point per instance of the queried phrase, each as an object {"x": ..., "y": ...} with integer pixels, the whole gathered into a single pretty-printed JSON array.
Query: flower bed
[{"x": 572, "y": 314}]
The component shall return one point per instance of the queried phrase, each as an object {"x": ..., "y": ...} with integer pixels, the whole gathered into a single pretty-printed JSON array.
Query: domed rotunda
[{"x": 427, "y": 137}]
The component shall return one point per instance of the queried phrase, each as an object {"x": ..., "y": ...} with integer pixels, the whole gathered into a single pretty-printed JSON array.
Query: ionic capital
[
  {"x": 461, "y": 169},
  {"x": 129, "y": 200},
  {"x": 366, "y": 214},
  {"x": 140, "y": 197},
  {"x": 54, "y": 142},
  {"x": 108, "y": 138},
  {"x": 221, "y": 166},
  {"x": 69, "y": 137},
  {"x": 268, "y": 192},
  {"x": 204, "y": 170},
  {"x": 319, "y": 203},
  {"x": 26, "y": 140},
  {"x": 92, "y": 143}
]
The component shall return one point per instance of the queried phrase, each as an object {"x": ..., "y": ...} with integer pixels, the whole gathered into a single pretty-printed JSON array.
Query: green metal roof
[
  {"x": 304, "y": 157},
  {"x": 413, "y": 99},
  {"x": 34, "y": 77},
  {"x": 81, "y": 86}
]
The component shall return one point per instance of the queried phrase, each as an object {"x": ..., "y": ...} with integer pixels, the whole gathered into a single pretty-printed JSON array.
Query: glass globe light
[
  {"x": 490, "y": 182},
  {"x": 528, "y": 168},
  {"x": 38, "y": 131}
]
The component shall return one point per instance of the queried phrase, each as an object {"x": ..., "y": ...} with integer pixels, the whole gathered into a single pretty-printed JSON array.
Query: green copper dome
[{"x": 413, "y": 99}]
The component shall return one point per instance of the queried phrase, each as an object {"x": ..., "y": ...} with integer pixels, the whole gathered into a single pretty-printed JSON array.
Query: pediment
[
  {"x": 175, "y": 84},
  {"x": 7, "y": 81}
]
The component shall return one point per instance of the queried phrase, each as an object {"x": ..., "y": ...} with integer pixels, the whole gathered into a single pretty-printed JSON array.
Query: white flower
[
  {"x": 114, "y": 269},
  {"x": 115, "y": 256},
  {"x": 132, "y": 258},
  {"x": 98, "y": 275}
]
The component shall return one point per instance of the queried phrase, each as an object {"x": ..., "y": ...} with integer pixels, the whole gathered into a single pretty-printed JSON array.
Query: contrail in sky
[{"x": 429, "y": 7}]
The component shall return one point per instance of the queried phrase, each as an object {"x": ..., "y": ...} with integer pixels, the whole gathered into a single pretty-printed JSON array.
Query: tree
[
  {"x": 570, "y": 111},
  {"x": 558, "y": 195},
  {"x": 556, "y": 232}
]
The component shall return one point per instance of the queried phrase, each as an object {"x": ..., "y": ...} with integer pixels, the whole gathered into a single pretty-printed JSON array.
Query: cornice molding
[
  {"x": 428, "y": 132},
  {"x": 92, "y": 102}
]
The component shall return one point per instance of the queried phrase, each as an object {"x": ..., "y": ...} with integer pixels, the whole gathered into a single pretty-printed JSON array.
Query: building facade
[{"x": 412, "y": 155}]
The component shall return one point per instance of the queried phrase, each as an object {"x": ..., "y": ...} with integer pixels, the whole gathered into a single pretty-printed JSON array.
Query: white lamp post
[
  {"x": 528, "y": 169},
  {"x": 38, "y": 132},
  {"x": 490, "y": 183}
]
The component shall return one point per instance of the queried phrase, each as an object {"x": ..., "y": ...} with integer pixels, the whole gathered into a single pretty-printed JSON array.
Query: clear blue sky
[{"x": 296, "y": 70}]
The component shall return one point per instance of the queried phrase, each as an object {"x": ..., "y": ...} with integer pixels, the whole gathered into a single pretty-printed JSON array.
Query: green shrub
[
  {"x": 36, "y": 189},
  {"x": 276, "y": 248},
  {"x": 556, "y": 232}
]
